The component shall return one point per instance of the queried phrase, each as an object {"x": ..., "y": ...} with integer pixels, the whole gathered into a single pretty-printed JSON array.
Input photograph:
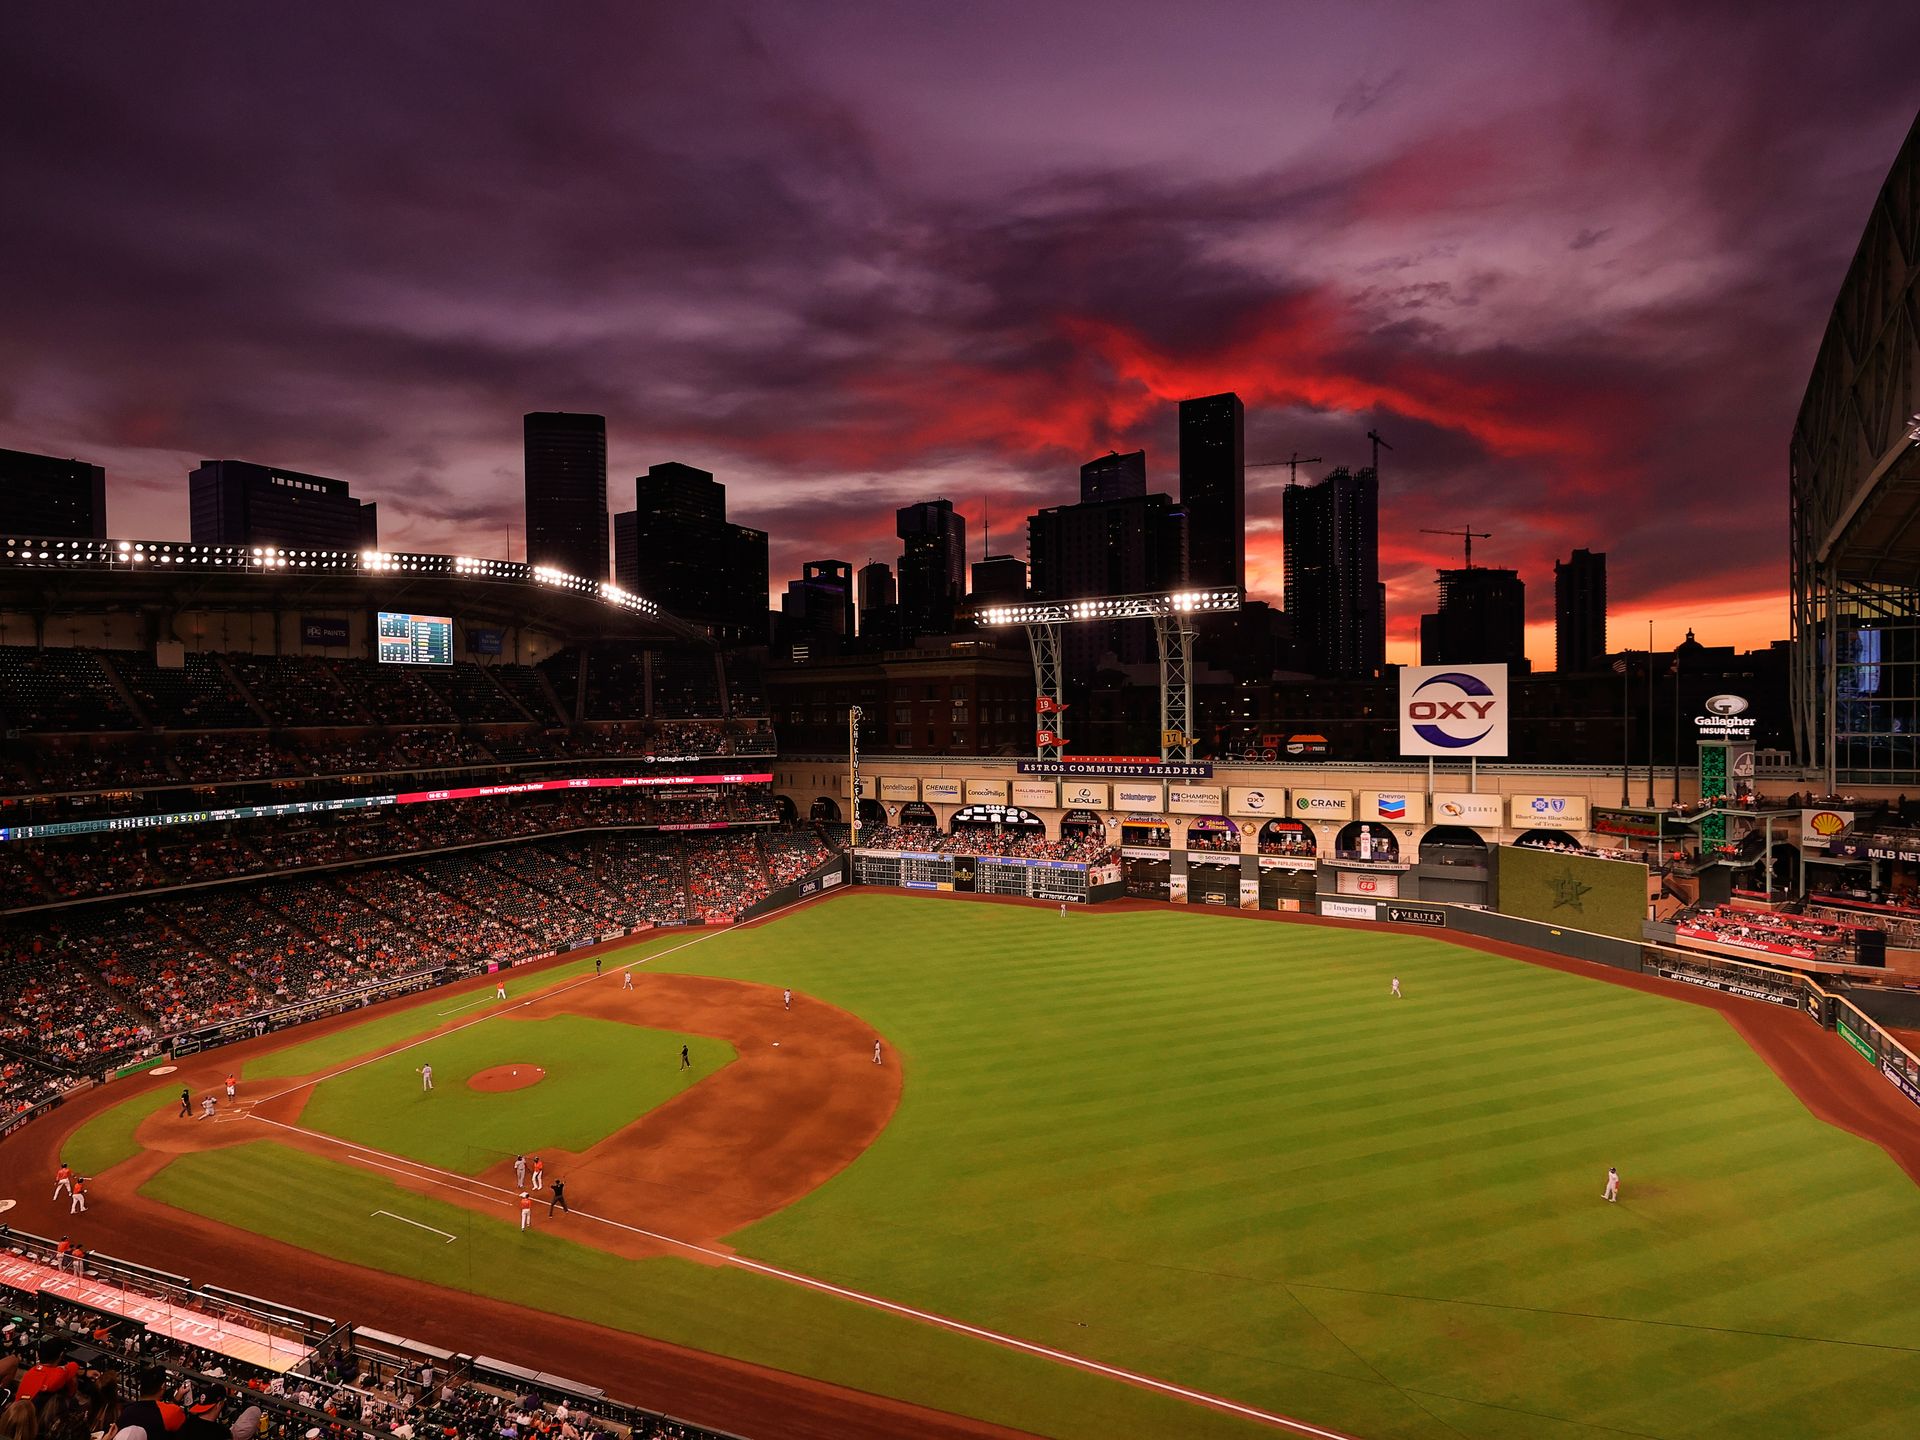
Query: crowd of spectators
[
  {"x": 1798, "y": 937},
  {"x": 1901, "y": 922},
  {"x": 86, "y": 985},
  {"x": 973, "y": 839}
]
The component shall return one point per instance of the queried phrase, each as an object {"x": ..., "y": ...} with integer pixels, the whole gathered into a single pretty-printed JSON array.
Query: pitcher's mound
[{"x": 506, "y": 1077}]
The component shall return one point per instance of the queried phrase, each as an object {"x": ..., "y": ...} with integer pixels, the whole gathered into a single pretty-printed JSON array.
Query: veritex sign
[{"x": 1417, "y": 915}]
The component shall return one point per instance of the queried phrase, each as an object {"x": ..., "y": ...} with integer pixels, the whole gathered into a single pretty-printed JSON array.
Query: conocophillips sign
[
  {"x": 1726, "y": 718},
  {"x": 1453, "y": 710}
]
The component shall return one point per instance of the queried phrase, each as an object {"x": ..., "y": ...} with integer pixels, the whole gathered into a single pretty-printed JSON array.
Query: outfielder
[
  {"x": 1396, "y": 989},
  {"x": 1612, "y": 1192},
  {"x": 426, "y": 1077}
]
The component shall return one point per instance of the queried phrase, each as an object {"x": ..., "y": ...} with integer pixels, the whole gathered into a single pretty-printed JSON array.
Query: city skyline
[{"x": 1581, "y": 313}]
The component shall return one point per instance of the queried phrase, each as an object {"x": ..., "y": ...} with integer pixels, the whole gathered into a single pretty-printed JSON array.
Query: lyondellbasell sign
[{"x": 1725, "y": 717}]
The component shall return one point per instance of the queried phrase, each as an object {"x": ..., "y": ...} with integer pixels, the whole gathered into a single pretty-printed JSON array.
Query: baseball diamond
[{"x": 1148, "y": 1173}]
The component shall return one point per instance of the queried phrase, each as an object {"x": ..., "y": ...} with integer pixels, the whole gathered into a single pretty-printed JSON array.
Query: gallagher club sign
[
  {"x": 1458, "y": 710},
  {"x": 1725, "y": 717}
]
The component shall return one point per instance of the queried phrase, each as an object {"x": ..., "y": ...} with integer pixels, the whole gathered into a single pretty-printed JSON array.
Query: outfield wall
[{"x": 1558, "y": 887}]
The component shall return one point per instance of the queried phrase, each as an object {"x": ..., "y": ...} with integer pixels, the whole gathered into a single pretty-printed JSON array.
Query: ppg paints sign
[{"x": 1453, "y": 710}]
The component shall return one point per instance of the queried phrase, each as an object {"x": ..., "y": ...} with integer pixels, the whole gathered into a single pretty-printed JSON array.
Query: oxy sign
[{"x": 1453, "y": 710}]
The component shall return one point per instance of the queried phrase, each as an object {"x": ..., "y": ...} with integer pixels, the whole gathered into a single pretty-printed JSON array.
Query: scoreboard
[{"x": 415, "y": 639}]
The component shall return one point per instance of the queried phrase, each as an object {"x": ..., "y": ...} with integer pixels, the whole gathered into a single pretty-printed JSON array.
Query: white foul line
[
  {"x": 415, "y": 1223},
  {"x": 452, "y": 1180}
]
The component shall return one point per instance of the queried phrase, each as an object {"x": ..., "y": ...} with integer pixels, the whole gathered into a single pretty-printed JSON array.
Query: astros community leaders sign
[{"x": 1456, "y": 710}]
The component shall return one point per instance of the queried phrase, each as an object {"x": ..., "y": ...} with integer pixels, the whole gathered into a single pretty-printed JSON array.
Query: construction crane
[
  {"x": 1293, "y": 465},
  {"x": 1378, "y": 445},
  {"x": 1467, "y": 534}
]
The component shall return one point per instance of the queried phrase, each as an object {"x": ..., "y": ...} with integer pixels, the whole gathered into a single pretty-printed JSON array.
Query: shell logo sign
[{"x": 1826, "y": 823}]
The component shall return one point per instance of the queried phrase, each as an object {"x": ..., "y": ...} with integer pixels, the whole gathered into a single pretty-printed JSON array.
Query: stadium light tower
[{"x": 1172, "y": 612}]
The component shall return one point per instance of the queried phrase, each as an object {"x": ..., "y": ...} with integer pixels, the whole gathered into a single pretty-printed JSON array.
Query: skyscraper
[
  {"x": 999, "y": 578},
  {"x": 1213, "y": 488},
  {"x": 45, "y": 495},
  {"x": 1482, "y": 620},
  {"x": 677, "y": 548},
  {"x": 1579, "y": 610},
  {"x": 933, "y": 567},
  {"x": 1331, "y": 537},
  {"x": 816, "y": 613},
  {"x": 566, "y": 473},
  {"x": 235, "y": 502},
  {"x": 1114, "y": 477},
  {"x": 1108, "y": 547}
]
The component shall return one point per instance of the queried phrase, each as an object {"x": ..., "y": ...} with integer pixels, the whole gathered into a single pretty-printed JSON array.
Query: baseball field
[{"x": 1141, "y": 1173}]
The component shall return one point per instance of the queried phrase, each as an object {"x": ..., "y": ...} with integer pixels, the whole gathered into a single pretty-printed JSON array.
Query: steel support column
[
  {"x": 1175, "y": 634},
  {"x": 1050, "y": 710}
]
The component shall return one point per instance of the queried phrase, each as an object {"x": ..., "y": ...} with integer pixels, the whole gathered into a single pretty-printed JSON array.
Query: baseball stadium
[{"x": 435, "y": 997}]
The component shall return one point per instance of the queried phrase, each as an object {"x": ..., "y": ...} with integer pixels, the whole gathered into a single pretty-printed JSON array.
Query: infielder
[
  {"x": 876, "y": 1053},
  {"x": 233, "y": 1083},
  {"x": 526, "y": 1210},
  {"x": 426, "y": 1077},
  {"x": 499, "y": 989},
  {"x": 786, "y": 998},
  {"x": 627, "y": 984},
  {"x": 78, "y": 1205},
  {"x": 63, "y": 1180},
  {"x": 539, "y": 1173},
  {"x": 1612, "y": 1192},
  {"x": 596, "y": 967}
]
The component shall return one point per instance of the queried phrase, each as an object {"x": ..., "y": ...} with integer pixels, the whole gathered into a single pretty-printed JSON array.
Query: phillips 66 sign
[{"x": 1453, "y": 710}]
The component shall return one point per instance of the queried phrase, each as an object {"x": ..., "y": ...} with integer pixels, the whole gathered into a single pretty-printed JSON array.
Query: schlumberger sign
[{"x": 1456, "y": 710}]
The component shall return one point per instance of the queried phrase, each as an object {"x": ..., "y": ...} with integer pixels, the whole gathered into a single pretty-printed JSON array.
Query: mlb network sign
[{"x": 1453, "y": 710}]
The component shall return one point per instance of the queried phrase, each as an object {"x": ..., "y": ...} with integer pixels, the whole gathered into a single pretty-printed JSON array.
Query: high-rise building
[
  {"x": 235, "y": 502},
  {"x": 566, "y": 473},
  {"x": 1114, "y": 477},
  {"x": 1111, "y": 547},
  {"x": 874, "y": 582},
  {"x": 1213, "y": 488},
  {"x": 1579, "y": 610},
  {"x": 1482, "y": 620},
  {"x": 816, "y": 613},
  {"x": 998, "y": 579},
  {"x": 45, "y": 495},
  {"x": 1331, "y": 537},
  {"x": 677, "y": 548},
  {"x": 933, "y": 567}
]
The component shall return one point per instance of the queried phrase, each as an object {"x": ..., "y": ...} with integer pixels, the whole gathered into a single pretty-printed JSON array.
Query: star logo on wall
[{"x": 1568, "y": 891}]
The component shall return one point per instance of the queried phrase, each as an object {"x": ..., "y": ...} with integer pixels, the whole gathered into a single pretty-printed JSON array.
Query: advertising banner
[
  {"x": 322, "y": 632},
  {"x": 986, "y": 792},
  {"x": 1548, "y": 812},
  {"x": 1817, "y": 827},
  {"x": 1143, "y": 798},
  {"x": 1120, "y": 765},
  {"x": 1347, "y": 910},
  {"x": 1177, "y": 887},
  {"x": 1334, "y": 805},
  {"x": 1256, "y": 801},
  {"x": 1036, "y": 794},
  {"x": 940, "y": 792},
  {"x": 1368, "y": 882},
  {"x": 1193, "y": 799},
  {"x": 899, "y": 787},
  {"x": 1468, "y": 809},
  {"x": 1249, "y": 894},
  {"x": 1725, "y": 717},
  {"x": 1635, "y": 824},
  {"x": 1082, "y": 795},
  {"x": 1429, "y": 915},
  {"x": 1456, "y": 710},
  {"x": 1398, "y": 807}
]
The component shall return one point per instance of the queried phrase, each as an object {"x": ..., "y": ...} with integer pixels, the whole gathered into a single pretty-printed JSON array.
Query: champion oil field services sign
[{"x": 1458, "y": 710}]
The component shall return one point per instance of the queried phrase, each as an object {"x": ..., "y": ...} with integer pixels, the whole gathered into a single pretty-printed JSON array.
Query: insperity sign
[{"x": 1453, "y": 710}]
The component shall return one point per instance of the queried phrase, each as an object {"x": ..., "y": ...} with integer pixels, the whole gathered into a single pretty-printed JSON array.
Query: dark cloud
[{"x": 361, "y": 239}]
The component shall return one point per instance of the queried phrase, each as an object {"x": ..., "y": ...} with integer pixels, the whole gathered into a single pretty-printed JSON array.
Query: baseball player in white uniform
[
  {"x": 520, "y": 1171},
  {"x": 426, "y": 1077},
  {"x": 1612, "y": 1192}
]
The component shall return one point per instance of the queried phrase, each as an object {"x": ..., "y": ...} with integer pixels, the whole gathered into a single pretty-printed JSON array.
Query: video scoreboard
[{"x": 415, "y": 639}]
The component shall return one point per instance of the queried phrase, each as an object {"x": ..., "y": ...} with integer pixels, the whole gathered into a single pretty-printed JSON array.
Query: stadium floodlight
[{"x": 1149, "y": 606}]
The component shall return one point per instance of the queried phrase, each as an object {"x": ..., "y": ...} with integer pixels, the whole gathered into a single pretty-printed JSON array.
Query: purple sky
[{"x": 1573, "y": 261}]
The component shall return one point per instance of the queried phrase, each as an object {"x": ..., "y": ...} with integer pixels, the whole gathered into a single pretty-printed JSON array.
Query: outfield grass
[
  {"x": 1214, "y": 1150},
  {"x": 601, "y": 1075}
]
